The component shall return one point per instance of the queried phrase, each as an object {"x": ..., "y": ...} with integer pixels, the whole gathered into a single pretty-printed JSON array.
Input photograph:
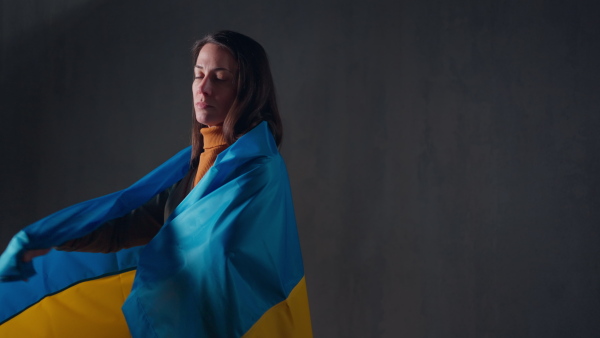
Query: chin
[{"x": 201, "y": 118}]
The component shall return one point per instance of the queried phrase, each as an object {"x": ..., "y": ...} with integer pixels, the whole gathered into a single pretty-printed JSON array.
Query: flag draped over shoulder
[{"x": 227, "y": 263}]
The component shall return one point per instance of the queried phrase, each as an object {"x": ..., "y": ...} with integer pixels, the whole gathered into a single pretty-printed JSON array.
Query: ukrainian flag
[{"x": 226, "y": 264}]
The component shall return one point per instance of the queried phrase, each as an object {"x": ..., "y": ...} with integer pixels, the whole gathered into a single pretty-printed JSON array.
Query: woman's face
[{"x": 214, "y": 86}]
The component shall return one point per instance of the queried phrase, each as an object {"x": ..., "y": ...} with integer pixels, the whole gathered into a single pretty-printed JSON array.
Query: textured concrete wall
[{"x": 443, "y": 155}]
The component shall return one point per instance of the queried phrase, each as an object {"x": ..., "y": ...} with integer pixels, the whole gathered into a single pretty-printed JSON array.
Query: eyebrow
[{"x": 220, "y": 68}]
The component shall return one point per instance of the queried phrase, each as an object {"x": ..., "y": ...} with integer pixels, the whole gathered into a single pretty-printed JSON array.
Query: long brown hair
[{"x": 255, "y": 100}]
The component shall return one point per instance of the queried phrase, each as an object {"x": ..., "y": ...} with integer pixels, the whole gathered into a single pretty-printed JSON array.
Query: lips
[{"x": 202, "y": 105}]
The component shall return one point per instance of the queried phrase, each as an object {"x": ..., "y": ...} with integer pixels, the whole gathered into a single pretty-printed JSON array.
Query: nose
[{"x": 205, "y": 86}]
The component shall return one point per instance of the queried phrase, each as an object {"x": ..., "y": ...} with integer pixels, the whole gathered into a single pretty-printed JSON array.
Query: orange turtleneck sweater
[{"x": 214, "y": 144}]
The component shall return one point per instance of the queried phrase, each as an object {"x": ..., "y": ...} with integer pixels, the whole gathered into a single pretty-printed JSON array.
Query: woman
[{"x": 221, "y": 254}]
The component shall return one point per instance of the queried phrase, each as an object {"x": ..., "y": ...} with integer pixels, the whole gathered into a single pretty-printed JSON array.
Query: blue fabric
[
  {"x": 58, "y": 270},
  {"x": 228, "y": 253}
]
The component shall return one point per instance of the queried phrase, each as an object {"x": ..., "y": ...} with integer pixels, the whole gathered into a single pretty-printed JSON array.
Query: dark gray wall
[{"x": 443, "y": 155}]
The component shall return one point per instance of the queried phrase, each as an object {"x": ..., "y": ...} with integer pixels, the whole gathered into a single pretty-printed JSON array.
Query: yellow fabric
[
  {"x": 214, "y": 144},
  {"x": 89, "y": 309},
  {"x": 290, "y": 318}
]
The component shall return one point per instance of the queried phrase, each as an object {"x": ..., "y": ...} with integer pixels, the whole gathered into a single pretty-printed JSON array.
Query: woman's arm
[{"x": 136, "y": 228}]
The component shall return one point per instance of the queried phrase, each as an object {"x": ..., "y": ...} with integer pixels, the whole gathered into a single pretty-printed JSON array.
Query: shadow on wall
[
  {"x": 81, "y": 99},
  {"x": 29, "y": 31},
  {"x": 23, "y": 18}
]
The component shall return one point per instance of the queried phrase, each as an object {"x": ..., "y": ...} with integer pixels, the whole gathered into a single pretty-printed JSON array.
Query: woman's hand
[{"x": 31, "y": 254}]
